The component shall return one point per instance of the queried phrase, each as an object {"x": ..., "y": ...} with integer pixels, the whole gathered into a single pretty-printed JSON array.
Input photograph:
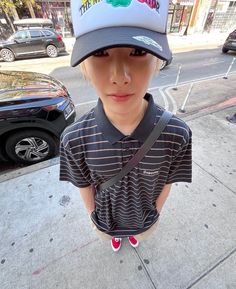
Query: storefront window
[
  {"x": 179, "y": 17},
  {"x": 59, "y": 13}
]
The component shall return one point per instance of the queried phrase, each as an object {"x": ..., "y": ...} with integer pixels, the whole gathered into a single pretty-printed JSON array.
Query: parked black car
[
  {"x": 34, "y": 110},
  {"x": 230, "y": 42},
  {"x": 32, "y": 42}
]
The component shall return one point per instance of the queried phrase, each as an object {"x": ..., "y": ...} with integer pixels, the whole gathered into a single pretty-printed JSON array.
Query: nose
[{"x": 120, "y": 72}]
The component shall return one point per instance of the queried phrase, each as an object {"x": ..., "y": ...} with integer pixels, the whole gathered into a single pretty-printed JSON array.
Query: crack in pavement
[
  {"x": 39, "y": 270},
  {"x": 145, "y": 269},
  {"x": 210, "y": 174},
  {"x": 211, "y": 269}
]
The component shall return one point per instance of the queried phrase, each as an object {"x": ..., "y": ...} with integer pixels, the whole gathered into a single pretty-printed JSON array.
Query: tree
[
  {"x": 26, "y": 3},
  {"x": 8, "y": 8}
]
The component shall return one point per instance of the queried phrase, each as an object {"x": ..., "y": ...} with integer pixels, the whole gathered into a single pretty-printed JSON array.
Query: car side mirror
[{"x": 16, "y": 40}]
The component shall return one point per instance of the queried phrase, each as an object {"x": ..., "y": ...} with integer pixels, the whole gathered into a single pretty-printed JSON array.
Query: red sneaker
[
  {"x": 133, "y": 242},
  {"x": 116, "y": 244}
]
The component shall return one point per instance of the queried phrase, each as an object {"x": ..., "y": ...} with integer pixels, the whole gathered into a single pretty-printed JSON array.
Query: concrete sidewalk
[
  {"x": 196, "y": 41},
  {"x": 47, "y": 242}
]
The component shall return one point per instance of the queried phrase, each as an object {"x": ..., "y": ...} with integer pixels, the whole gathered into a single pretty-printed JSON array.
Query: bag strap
[{"x": 154, "y": 135}]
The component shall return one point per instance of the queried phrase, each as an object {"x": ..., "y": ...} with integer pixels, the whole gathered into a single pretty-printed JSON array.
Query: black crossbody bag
[{"x": 154, "y": 135}]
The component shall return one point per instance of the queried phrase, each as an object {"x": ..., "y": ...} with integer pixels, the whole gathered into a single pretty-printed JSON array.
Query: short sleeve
[
  {"x": 73, "y": 167},
  {"x": 181, "y": 165}
]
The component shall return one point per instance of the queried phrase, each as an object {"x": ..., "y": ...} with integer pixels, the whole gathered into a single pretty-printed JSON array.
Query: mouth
[{"x": 121, "y": 97}]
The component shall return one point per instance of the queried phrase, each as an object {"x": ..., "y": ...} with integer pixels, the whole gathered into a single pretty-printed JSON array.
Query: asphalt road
[{"x": 195, "y": 64}]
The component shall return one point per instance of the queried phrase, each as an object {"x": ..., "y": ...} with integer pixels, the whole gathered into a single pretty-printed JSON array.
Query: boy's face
[{"x": 121, "y": 77}]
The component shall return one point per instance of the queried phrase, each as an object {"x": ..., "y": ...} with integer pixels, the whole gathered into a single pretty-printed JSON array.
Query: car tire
[
  {"x": 225, "y": 50},
  {"x": 163, "y": 64},
  {"x": 52, "y": 51},
  {"x": 30, "y": 146},
  {"x": 7, "y": 55}
]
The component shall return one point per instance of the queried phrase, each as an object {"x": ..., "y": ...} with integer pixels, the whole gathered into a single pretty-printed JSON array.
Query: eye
[
  {"x": 100, "y": 53},
  {"x": 138, "y": 52}
]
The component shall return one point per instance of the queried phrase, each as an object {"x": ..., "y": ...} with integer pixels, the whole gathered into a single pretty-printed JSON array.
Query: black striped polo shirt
[{"x": 92, "y": 151}]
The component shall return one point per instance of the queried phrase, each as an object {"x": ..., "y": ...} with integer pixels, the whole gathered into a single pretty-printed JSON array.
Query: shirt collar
[{"x": 113, "y": 135}]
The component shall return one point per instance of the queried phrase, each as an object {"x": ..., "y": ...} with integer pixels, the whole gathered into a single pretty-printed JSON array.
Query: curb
[
  {"x": 28, "y": 169},
  {"x": 202, "y": 111}
]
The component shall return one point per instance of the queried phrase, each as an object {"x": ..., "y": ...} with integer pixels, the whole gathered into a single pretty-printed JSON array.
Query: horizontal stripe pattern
[{"x": 128, "y": 207}]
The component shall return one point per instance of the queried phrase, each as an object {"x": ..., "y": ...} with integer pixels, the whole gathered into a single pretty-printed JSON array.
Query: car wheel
[
  {"x": 52, "y": 51},
  {"x": 163, "y": 64},
  {"x": 30, "y": 146},
  {"x": 225, "y": 50},
  {"x": 7, "y": 55}
]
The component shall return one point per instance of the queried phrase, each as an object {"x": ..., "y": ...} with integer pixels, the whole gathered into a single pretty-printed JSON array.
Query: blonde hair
[
  {"x": 158, "y": 65},
  {"x": 83, "y": 70}
]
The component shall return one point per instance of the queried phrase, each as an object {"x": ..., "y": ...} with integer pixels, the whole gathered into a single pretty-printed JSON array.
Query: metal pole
[
  {"x": 177, "y": 78},
  {"x": 186, "y": 98},
  {"x": 227, "y": 73}
]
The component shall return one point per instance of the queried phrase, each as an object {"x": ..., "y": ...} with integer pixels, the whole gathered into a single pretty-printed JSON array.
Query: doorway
[{"x": 179, "y": 18}]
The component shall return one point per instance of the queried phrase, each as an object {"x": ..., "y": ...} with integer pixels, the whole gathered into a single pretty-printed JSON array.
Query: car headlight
[{"x": 69, "y": 110}]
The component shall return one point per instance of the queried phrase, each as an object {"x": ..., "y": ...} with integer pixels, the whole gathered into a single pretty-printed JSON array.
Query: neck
[{"x": 127, "y": 122}]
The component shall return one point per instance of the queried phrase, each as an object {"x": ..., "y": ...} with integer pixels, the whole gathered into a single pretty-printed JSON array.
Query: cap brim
[{"x": 110, "y": 37}]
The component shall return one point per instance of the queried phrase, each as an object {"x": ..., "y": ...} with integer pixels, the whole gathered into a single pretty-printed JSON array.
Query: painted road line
[
  {"x": 162, "y": 75},
  {"x": 192, "y": 80},
  {"x": 196, "y": 80},
  {"x": 213, "y": 63},
  {"x": 166, "y": 104},
  {"x": 166, "y": 94},
  {"x": 174, "y": 103},
  {"x": 86, "y": 103},
  {"x": 223, "y": 104}
]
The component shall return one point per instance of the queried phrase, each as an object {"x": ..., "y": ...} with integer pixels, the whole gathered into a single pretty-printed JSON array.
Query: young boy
[{"x": 119, "y": 43}]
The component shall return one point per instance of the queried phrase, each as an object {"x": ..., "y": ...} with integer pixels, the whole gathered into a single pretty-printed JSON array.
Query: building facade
[
  {"x": 191, "y": 16},
  {"x": 60, "y": 14},
  {"x": 179, "y": 17},
  {"x": 213, "y": 16},
  {"x": 221, "y": 16},
  {"x": 185, "y": 16}
]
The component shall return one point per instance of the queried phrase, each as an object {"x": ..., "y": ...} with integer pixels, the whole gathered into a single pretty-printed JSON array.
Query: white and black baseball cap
[{"x": 103, "y": 24}]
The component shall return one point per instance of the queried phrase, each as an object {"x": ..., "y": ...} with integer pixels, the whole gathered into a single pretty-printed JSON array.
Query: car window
[
  {"x": 47, "y": 33},
  {"x": 21, "y": 35},
  {"x": 35, "y": 33}
]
